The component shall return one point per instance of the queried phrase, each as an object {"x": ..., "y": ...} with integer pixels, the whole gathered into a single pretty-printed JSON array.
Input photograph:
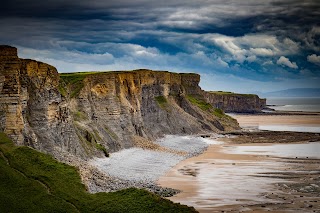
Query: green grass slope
[
  {"x": 202, "y": 104},
  {"x": 74, "y": 81},
  {"x": 31, "y": 181},
  {"x": 231, "y": 93}
]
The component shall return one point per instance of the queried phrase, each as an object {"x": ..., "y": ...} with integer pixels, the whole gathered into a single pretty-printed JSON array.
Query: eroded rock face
[
  {"x": 239, "y": 103},
  {"x": 10, "y": 99},
  {"x": 92, "y": 114},
  {"x": 31, "y": 108},
  {"x": 116, "y": 106}
]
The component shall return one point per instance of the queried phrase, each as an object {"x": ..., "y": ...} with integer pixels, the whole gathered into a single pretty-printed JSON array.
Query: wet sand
[
  {"x": 247, "y": 120},
  {"x": 280, "y": 122},
  {"x": 186, "y": 177},
  {"x": 228, "y": 179},
  {"x": 250, "y": 173},
  {"x": 302, "y": 123}
]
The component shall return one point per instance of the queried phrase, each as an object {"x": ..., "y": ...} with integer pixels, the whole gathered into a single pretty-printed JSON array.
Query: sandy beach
[
  {"x": 280, "y": 122},
  {"x": 256, "y": 181},
  {"x": 240, "y": 171},
  {"x": 304, "y": 120},
  {"x": 253, "y": 171}
]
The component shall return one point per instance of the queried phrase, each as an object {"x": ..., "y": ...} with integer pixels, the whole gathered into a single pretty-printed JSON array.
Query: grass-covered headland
[
  {"x": 232, "y": 94},
  {"x": 31, "y": 181}
]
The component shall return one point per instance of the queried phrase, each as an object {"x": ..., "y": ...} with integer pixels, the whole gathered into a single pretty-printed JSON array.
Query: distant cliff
[
  {"x": 92, "y": 114},
  {"x": 234, "y": 102}
]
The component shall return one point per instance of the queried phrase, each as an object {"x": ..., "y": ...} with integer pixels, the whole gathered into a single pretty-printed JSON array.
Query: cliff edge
[
  {"x": 234, "y": 102},
  {"x": 92, "y": 114}
]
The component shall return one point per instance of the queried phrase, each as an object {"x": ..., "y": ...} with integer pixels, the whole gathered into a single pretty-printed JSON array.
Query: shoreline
[
  {"x": 170, "y": 190},
  {"x": 187, "y": 176},
  {"x": 278, "y": 112},
  {"x": 210, "y": 182},
  {"x": 309, "y": 122}
]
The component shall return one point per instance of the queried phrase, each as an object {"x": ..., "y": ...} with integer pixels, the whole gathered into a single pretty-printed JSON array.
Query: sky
[{"x": 235, "y": 45}]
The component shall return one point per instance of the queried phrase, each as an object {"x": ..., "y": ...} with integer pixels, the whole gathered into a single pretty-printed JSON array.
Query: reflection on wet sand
[
  {"x": 296, "y": 123},
  {"x": 242, "y": 178}
]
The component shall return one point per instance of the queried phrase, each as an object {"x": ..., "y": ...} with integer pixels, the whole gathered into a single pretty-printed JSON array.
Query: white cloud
[
  {"x": 290, "y": 46},
  {"x": 222, "y": 62},
  {"x": 259, "y": 41},
  {"x": 262, "y": 51},
  {"x": 250, "y": 47},
  {"x": 283, "y": 61},
  {"x": 268, "y": 63},
  {"x": 228, "y": 44},
  {"x": 314, "y": 59},
  {"x": 251, "y": 58}
]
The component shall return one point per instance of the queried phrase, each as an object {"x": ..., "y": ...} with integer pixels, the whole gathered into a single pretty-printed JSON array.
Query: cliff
[
  {"x": 233, "y": 102},
  {"x": 92, "y": 114},
  {"x": 32, "y": 110}
]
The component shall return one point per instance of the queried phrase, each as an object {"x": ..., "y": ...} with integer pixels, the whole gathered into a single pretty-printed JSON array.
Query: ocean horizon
[{"x": 305, "y": 104}]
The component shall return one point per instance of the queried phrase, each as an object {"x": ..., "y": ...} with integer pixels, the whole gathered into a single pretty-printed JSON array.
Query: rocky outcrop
[
  {"x": 91, "y": 114},
  {"x": 233, "y": 102},
  {"x": 10, "y": 99},
  {"x": 32, "y": 110}
]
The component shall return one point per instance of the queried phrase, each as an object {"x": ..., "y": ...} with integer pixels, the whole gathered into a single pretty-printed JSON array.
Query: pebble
[
  {"x": 141, "y": 168},
  {"x": 192, "y": 145},
  {"x": 114, "y": 184}
]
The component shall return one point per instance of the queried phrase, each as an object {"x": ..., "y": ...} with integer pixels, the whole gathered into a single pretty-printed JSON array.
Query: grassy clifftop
[
  {"x": 74, "y": 81},
  {"x": 231, "y": 93},
  {"x": 31, "y": 181}
]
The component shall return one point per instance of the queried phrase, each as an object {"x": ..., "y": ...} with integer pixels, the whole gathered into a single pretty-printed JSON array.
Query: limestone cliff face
[
  {"x": 32, "y": 111},
  {"x": 232, "y": 102},
  {"x": 116, "y": 106},
  {"x": 91, "y": 114},
  {"x": 10, "y": 107}
]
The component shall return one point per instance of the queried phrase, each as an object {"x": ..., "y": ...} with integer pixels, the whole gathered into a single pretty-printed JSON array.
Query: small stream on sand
[{"x": 234, "y": 175}]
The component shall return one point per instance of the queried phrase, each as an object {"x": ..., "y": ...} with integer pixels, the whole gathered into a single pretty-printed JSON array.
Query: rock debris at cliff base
[
  {"x": 136, "y": 164},
  {"x": 137, "y": 167}
]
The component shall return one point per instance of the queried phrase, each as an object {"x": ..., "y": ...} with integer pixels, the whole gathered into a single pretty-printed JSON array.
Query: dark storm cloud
[
  {"x": 233, "y": 18},
  {"x": 260, "y": 40}
]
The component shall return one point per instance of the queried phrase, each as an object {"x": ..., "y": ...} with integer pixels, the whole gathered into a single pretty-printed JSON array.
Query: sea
[{"x": 305, "y": 104}]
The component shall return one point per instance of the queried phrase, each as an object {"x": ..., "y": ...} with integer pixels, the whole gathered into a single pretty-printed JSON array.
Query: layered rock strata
[
  {"x": 92, "y": 114},
  {"x": 32, "y": 110},
  {"x": 233, "y": 102}
]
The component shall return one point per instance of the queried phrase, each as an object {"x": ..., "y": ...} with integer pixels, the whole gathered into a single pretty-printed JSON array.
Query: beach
[
  {"x": 305, "y": 120},
  {"x": 253, "y": 171},
  {"x": 141, "y": 167},
  {"x": 290, "y": 121}
]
